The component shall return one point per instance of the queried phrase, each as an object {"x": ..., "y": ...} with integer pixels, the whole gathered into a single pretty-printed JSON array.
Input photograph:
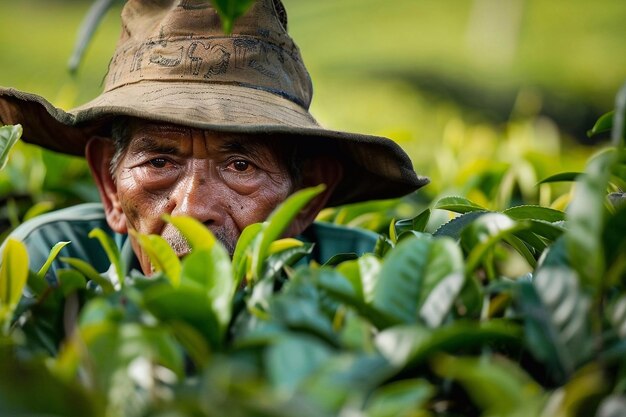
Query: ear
[
  {"x": 319, "y": 170},
  {"x": 98, "y": 153}
]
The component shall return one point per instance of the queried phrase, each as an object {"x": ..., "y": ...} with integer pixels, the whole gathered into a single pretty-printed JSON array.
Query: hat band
[{"x": 242, "y": 60}]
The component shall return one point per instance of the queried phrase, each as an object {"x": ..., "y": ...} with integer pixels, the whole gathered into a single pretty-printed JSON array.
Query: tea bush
[{"x": 501, "y": 311}]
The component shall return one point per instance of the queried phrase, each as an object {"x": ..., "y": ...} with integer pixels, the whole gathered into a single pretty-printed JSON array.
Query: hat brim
[{"x": 374, "y": 167}]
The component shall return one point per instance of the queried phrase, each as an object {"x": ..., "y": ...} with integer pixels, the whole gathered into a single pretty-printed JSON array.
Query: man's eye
[
  {"x": 158, "y": 162},
  {"x": 241, "y": 166}
]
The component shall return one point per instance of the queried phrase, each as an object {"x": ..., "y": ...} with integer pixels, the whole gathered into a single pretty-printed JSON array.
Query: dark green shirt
[{"x": 74, "y": 224}]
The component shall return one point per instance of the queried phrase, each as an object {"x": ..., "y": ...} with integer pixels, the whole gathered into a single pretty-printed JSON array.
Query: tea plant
[{"x": 511, "y": 312}]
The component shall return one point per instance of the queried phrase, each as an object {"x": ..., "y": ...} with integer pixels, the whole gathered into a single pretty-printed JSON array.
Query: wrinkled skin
[{"x": 225, "y": 180}]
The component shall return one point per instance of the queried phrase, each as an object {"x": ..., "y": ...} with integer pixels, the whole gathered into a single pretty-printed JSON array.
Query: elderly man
[{"x": 194, "y": 122}]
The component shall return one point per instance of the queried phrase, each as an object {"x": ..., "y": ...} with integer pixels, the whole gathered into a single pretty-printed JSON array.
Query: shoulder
[
  {"x": 331, "y": 239},
  {"x": 71, "y": 224}
]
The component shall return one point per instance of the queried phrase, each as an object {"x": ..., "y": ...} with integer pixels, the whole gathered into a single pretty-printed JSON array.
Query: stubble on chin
[{"x": 180, "y": 245}]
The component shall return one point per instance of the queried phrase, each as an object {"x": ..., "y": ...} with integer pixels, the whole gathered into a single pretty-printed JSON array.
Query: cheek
[
  {"x": 256, "y": 207},
  {"x": 142, "y": 208}
]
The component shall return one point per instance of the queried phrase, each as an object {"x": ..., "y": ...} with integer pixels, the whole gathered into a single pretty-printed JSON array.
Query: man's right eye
[{"x": 158, "y": 162}]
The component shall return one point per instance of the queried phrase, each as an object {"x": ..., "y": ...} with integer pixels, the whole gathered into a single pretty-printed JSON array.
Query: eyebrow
[
  {"x": 146, "y": 144},
  {"x": 246, "y": 147}
]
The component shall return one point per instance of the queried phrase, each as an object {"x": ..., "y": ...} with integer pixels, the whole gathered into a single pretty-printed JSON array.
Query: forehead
[{"x": 144, "y": 134}]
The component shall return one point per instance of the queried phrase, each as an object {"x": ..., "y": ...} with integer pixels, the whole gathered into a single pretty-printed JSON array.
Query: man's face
[{"x": 225, "y": 180}]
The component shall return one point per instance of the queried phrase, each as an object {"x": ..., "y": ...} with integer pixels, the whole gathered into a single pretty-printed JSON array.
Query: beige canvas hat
[{"x": 173, "y": 63}]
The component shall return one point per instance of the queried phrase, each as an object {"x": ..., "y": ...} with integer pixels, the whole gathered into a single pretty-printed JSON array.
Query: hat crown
[{"x": 183, "y": 40}]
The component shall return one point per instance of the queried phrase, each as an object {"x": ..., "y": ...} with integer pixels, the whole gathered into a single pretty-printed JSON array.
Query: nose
[{"x": 199, "y": 194}]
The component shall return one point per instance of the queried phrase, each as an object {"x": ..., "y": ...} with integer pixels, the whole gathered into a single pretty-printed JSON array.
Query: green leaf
[
  {"x": 556, "y": 317},
  {"x": 230, "y": 10},
  {"x": 113, "y": 253},
  {"x": 70, "y": 280},
  {"x": 602, "y": 125},
  {"x": 53, "y": 254},
  {"x": 211, "y": 269},
  {"x": 339, "y": 258},
  {"x": 37, "y": 209},
  {"x": 586, "y": 216},
  {"x": 618, "y": 131},
  {"x": 13, "y": 276},
  {"x": 535, "y": 213},
  {"x": 480, "y": 237},
  {"x": 197, "y": 234},
  {"x": 187, "y": 304},
  {"x": 162, "y": 256},
  {"x": 9, "y": 136},
  {"x": 417, "y": 223},
  {"x": 287, "y": 257},
  {"x": 409, "y": 274},
  {"x": 455, "y": 227},
  {"x": 292, "y": 359},
  {"x": 458, "y": 205},
  {"x": 498, "y": 386},
  {"x": 437, "y": 305},
  {"x": 410, "y": 346},
  {"x": 243, "y": 251},
  {"x": 278, "y": 222},
  {"x": 87, "y": 270},
  {"x": 363, "y": 273},
  {"x": 400, "y": 398},
  {"x": 563, "y": 176}
]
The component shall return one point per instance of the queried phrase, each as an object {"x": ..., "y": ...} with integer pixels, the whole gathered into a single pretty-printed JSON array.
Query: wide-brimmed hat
[{"x": 173, "y": 63}]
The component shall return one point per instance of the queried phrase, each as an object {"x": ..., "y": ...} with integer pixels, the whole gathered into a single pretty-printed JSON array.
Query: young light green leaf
[
  {"x": 53, "y": 254},
  {"x": 9, "y": 136},
  {"x": 37, "y": 209},
  {"x": 278, "y": 222},
  {"x": 277, "y": 260},
  {"x": 162, "y": 256},
  {"x": 197, "y": 235},
  {"x": 458, "y": 205},
  {"x": 231, "y": 10},
  {"x": 112, "y": 251},
  {"x": 13, "y": 275},
  {"x": 243, "y": 251},
  {"x": 87, "y": 270}
]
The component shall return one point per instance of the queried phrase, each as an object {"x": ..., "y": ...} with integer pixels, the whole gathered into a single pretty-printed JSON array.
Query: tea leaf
[
  {"x": 196, "y": 233},
  {"x": 499, "y": 386},
  {"x": 162, "y": 256},
  {"x": 535, "y": 213},
  {"x": 113, "y": 253},
  {"x": 9, "y": 136},
  {"x": 556, "y": 314},
  {"x": 13, "y": 276},
  {"x": 243, "y": 251},
  {"x": 602, "y": 125},
  {"x": 400, "y": 398},
  {"x": 278, "y": 222},
  {"x": 458, "y": 205},
  {"x": 87, "y": 270},
  {"x": 563, "y": 176},
  {"x": 230, "y": 10},
  {"x": 53, "y": 254}
]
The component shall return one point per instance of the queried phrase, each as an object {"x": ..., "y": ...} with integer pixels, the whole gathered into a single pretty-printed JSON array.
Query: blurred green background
[{"x": 487, "y": 96}]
